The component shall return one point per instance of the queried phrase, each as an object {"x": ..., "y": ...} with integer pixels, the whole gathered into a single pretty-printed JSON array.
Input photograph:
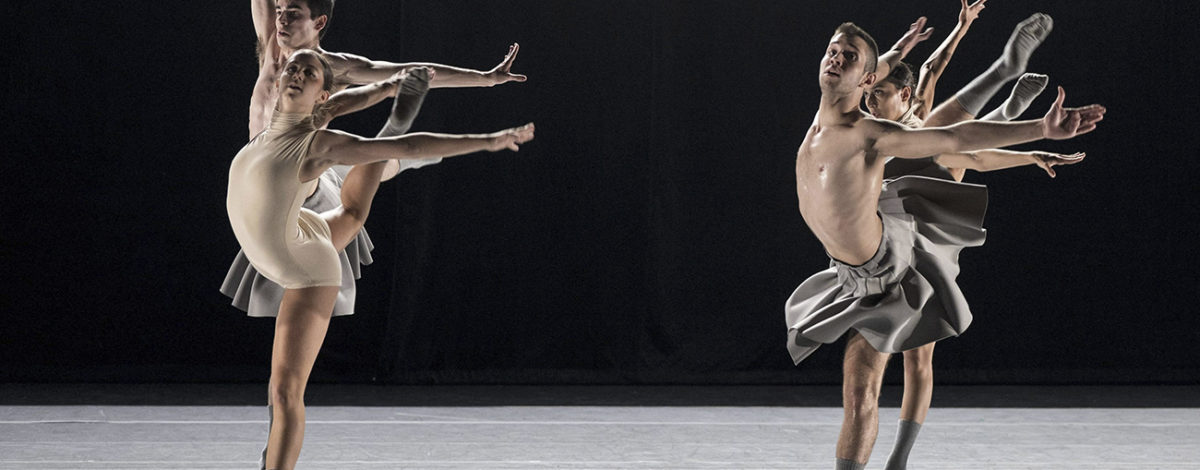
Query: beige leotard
[{"x": 287, "y": 243}]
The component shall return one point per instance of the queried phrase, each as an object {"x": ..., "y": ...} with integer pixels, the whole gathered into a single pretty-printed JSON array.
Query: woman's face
[
  {"x": 301, "y": 82},
  {"x": 885, "y": 101}
]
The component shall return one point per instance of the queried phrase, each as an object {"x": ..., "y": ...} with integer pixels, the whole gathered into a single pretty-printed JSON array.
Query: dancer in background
[{"x": 897, "y": 98}]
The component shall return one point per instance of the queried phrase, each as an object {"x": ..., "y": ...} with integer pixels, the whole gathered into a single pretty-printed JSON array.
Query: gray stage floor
[{"x": 44, "y": 427}]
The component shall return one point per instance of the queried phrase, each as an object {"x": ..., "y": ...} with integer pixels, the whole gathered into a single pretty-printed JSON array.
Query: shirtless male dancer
[
  {"x": 283, "y": 27},
  {"x": 894, "y": 254}
]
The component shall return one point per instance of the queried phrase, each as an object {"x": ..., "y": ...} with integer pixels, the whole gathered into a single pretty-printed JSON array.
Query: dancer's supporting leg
[
  {"x": 862, "y": 375},
  {"x": 970, "y": 100},
  {"x": 304, "y": 319},
  {"x": 918, "y": 393},
  {"x": 1028, "y": 87},
  {"x": 409, "y": 97}
]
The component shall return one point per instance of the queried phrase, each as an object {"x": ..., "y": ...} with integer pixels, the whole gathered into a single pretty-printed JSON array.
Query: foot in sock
[
  {"x": 409, "y": 96},
  {"x": 1028, "y": 87},
  {"x": 906, "y": 435},
  {"x": 1028, "y": 35}
]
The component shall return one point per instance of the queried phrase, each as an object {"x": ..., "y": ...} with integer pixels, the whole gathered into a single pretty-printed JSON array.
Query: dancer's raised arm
[
  {"x": 1060, "y": 123},
  {"x": 900, "y": 50},
  {"x": 358, "y": 70},
  {"x": 331, "y": 147},
  {"x": 263, "y": 12},
  {"x": 352, "y": 100},
  {"x": 933, "y": 67}
]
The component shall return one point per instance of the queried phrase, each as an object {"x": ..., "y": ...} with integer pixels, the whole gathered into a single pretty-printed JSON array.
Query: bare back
[{"x": 837, "y": 185}]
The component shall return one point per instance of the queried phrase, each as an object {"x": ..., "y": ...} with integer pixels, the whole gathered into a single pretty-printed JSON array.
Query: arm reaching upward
[
  {"x": 339, "y": 148},
  {"x": 933, "y": 67},
  {"x": 360, "y": 70},
  {"x": 1059, "y": 123},
  {"x": 263, "y": 13},
  {"x": 902, "y": 47}
]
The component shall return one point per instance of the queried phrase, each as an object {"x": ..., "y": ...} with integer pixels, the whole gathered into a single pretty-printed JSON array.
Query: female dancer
[
  {"x": 897, "y": 98},
  {"x": 297, "y": 248}
]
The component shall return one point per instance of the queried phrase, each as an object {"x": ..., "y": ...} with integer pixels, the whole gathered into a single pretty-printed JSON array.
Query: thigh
[
  {"x": 919, "y": 356},
  {"x": 300, "y": 329},
  {"x": 862, "y": 361}
]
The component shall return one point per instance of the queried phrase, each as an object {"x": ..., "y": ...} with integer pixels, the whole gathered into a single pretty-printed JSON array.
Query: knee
[
  {"x": 286, "y": 392},
  {"x": 918, "y": 364},
  {"x": 861, "y": 399}
]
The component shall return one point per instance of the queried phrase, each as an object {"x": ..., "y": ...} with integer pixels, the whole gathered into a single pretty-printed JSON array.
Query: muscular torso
[{"x": 837, "y": 185}]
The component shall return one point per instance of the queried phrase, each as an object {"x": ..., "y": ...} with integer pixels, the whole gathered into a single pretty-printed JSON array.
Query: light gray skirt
[
  {"x": 260, "y": 297},
  {"x": 906, "y": 295}
]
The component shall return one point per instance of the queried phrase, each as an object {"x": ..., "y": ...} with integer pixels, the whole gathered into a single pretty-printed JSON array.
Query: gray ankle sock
[
  {"x": 404, "y": 110},
  {"x": 262, "y": 461},
  {"x": 843, "y": 464},
  {"x": 1027, "y": 36},
  {"x": 1028, "y": 87},
  {"x": 409, "y": 96},
  {"x": 906, "y": 435}
]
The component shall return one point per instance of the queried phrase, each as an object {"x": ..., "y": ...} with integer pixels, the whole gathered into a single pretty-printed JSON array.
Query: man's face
[
  {"x": 295, "y": 27},
  {"x": 842, "y": 67},
  {"x": 885, "y": 101}
]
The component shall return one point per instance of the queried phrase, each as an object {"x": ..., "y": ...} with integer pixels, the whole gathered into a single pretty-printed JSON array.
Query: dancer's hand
[
  {"x": 503, "y": 73},
  {"x": 1047, "y": 160},
  {"x": 1064, "y": 123},
  {"x": 969, "y": 13},
  {"x": 912, "y": 37},
  {"x": 510, "y": 138}
]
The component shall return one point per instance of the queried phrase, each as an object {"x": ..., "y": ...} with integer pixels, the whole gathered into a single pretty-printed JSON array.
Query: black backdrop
[{"x": 649, "y": 234}]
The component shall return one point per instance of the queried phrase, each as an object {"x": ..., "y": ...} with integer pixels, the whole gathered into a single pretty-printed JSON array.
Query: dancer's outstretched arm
[
  {"x": 900, "y": 50},
  {"x": 360, "y": 70},
  {"x": 889, "y": 138},
  {"x": 352, "y": 100},
  {"x": 996, "y": 159},
  {"x": 331, "y": 147},
  {"x": 933, "y": 67}
]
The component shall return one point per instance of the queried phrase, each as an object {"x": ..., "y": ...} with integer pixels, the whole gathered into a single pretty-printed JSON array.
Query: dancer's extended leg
[
  {"x": 918, "y": 392},
  {"x": 862, "y": 375},
  {"x": 409, "y": 97},
  {"x": 299, "y": 331},
  {"x": 970, "y": 100},
  {"x": 1028, "y": 87}
]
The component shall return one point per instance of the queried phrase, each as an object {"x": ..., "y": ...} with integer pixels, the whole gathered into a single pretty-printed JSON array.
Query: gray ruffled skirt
[
  {"x": 260, "y": 297},
  {"x": 906, "y": 295}
]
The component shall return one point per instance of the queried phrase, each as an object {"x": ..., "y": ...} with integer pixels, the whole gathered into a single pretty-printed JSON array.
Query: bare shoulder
[
  {"x": 327, "y": 141},
  {"x": 341, "y": 61}
]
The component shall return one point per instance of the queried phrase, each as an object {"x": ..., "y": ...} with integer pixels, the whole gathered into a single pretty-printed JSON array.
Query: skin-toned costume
[{"x": 286, "y": 243}]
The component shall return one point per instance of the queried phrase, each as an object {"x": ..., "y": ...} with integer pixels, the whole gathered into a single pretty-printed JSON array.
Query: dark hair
[
  {"x": 852, "y": 30},
  {"x": 326, "y": 68},
  {"x": 902, "y": 76},
  {"x": 317, "y": 8}
]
